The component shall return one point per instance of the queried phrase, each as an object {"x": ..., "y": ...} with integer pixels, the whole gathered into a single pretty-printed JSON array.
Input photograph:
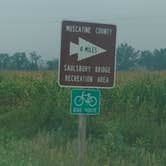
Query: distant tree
[
  {"x": 155, "y": 60},
  {"x": 52, "y": 64},
  {"x": 4, "y": 60},
  {"x": 19, "y": 61},
  {"x": 126, "y": 57},
  {"x": 34, "y": 57},
  {"x": 146, "y": 60},
  {"x": 159, "y": 59}
]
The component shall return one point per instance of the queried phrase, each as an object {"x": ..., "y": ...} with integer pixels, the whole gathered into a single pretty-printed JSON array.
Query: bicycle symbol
[{"x": 85, "y": 98}]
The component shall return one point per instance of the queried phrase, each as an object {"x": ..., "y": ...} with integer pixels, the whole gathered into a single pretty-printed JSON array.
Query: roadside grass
[
  {"x": 36, "y": 128},
  {"x": 42, "y": 150}
]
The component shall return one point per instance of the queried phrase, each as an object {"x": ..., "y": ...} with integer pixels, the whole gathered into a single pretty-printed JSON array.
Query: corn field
[{"x": 37, "y": 129}]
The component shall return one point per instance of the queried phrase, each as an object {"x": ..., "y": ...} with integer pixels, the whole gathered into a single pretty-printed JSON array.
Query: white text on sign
[{"x": 87, "y": 29}]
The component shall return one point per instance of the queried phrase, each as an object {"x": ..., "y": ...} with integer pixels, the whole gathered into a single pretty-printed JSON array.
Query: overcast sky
[{"x": 34, "y": 25}]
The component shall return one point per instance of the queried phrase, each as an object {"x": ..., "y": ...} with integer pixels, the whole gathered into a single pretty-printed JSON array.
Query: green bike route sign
[{"x": 85, "y": 102}]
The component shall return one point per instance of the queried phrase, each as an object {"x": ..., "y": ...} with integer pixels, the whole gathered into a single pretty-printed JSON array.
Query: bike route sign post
[
  {"x": 87, "y": 60},
  {"x": 87, "y": 55},
  {"x": 85, "y": 102}
]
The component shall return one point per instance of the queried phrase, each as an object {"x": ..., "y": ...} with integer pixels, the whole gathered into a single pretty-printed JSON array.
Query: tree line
[
  {"x": 127, "y": 58},
  {"x": 24, "y": 61}
]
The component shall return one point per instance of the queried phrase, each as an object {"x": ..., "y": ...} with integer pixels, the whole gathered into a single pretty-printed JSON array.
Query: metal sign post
[{"x": 81, "y": 140}]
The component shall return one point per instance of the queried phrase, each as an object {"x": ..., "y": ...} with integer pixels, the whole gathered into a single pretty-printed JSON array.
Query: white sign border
[{"x": 85, "y": 87}]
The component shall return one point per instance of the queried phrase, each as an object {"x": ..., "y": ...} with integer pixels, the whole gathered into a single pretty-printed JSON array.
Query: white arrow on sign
[{"x": 85, "y": 49}]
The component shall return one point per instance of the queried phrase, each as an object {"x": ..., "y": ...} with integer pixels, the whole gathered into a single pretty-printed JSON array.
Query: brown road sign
[{"x": 87, "y": 55}]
